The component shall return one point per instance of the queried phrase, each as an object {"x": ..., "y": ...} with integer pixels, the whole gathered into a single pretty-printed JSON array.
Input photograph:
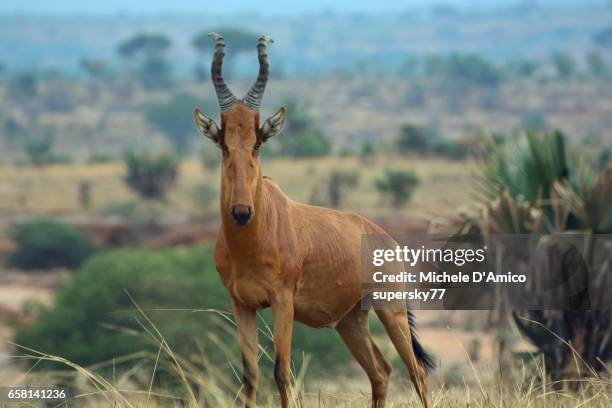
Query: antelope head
[{"x": 240, "y": 136}]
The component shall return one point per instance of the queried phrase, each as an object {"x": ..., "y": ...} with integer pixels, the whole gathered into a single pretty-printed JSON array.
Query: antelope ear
[
  {"x": 273, "y": 125},
  {"x": 206, "y": 125}
]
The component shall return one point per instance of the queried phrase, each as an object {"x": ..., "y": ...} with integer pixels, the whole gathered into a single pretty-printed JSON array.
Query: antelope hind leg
[
  {"x": 355, "y": 332},
  {"x": 396, "y": 325}
]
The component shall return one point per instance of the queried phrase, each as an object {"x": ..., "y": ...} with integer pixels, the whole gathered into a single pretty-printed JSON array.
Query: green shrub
[
  {"x": 413, "y": 138},
  {"x": 467, "y": 68},
  {"x": 339, "y": 182},
  {"x": 565, "y": 65},
  {"x": 46, "y": 244},
  {"x": 149, "y": 175},
  {"x": 174, "y": 119},
  {"x": 450, "y": 149},
  {"x": 99, "y": 158},
  {"x": 367, "y": 152},
  {"x": 93, "y": 319},
  {"x": 302, "y": 137},
  {"x": 426, "y": 140},
  {"x": 92, "y": 316},
  {"x": 38, "y": 150},
  {"x": 398, "y": 186}
]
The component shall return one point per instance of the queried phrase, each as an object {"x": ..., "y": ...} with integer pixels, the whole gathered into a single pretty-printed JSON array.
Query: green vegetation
[
  {"x": 427, "y": 140},
  {"x": 94, "y": 320},
  {"x": 367, "y": 152},
  {"x": 565, "y": 65},
  {"x": 532, "y": 187},
  {"x": 604, "y": 37},
  {"x": 303, "y": 135},
  {"x": 149, "y": 50},
  {"x": 38, "y": 150},
  {"x": 469, "y": 68},
  {"x": 48, "y": 244},
  {"x": 151, "y": 175},
  {"x": 397, "y": 186},
  {"x": 339, "y": 182},
  {"x": 240, "y": 41},
  {"x": 174, "y": 119},
  {"x": 596, "y": 63}
]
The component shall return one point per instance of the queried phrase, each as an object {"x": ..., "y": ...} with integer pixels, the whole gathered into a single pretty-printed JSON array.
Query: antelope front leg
[
  {"x": 282, "y": 312},
  {"x": 246, "y": 321}
]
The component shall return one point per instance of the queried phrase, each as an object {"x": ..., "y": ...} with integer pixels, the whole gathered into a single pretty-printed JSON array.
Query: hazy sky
[{"x": 285, "y": 7}]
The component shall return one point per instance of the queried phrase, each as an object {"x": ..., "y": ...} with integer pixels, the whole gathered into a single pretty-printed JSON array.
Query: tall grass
[{"x": 197, "y": 383}]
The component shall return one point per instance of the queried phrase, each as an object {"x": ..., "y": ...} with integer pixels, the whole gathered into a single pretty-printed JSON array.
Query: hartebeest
[{"x": 302, "y": 261}]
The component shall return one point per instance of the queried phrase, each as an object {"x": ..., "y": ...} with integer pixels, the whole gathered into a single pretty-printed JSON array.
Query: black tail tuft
[{"x": 424, "y": 358}]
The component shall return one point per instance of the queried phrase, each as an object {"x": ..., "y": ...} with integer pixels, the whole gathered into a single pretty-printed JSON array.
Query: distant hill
[{"x": 316, "y": 43}]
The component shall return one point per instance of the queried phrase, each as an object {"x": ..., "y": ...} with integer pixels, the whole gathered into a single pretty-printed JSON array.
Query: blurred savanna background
[{"x": 453, "y": 116}]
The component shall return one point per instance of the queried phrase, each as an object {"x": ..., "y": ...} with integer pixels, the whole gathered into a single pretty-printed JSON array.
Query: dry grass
[
  {"x": 137, "y": 387},
  {"x": 54, "y": 189}
]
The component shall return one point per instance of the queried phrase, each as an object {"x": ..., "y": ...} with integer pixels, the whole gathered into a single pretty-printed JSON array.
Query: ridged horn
[
  {"x": 226, "y": 98},
  {"x": 253, "y": 98}
]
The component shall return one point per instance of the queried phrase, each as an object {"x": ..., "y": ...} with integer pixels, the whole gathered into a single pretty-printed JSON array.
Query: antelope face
[
  {"x": 240, "y": 139},
  {"x": 240, "y": 136}
]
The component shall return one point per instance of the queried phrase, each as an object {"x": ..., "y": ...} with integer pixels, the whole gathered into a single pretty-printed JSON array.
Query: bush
[
  {"x": 413, "y": 138},
  {"x": 174, "y": 119},
  {"x": 398, "y": 185},
  {"x": 469, "y": 68},
  {"x": 47, "y": 244},
  {"x": 100, "y": 158},
  {"x": 303, "y": 137},
  {"x": 339, "y": 181},
  {"x": 310, "y": 143},
  {"x": 367, "y": 152},
  {"x": 426, "y": 140},
  {"x": 77, "y": 325},
  {"x": 38, "y": 150},
  {"x": 151, "y": 176},
  {"x": 93, "y": 319},
  {"x": 565, "y": 65}
]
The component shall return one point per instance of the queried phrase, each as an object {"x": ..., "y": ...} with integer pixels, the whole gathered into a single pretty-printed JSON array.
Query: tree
[
  {"x": 38, "y": 150},
  {"x": 150, "y": 50},
  {"x": 238, "y": 41},
  {"x": 303, "y": 137},
  {"x": 95, "y": 70},
  {"x": 339, "y": 181},
  {"x": 151, "y": 175},
  {"x": 413, "y": 138},
  {"x": 24, "y": 85},
  {"x": 470, "y": 68},
  {"x": 604, "y": 37},
  {"x": 565, "y": 65},
  {"x": 175, "y": 119},
  {"x": 596, "y": 63},
  {"x": 526, "y": 68},
  {"x": 534, "y": 186},
  {"x": 367, "y": 152},
  {"x": 46, "y": 244},
  {"x": 398, "y": 186}
]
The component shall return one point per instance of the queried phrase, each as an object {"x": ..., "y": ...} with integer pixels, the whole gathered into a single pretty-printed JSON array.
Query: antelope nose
[{"x": 242, "y": 214}]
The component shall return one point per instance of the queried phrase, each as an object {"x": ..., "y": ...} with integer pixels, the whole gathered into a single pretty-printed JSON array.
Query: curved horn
[
  {"x": 253, "y": 98},
  {"x": 226, "y": 98}
]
